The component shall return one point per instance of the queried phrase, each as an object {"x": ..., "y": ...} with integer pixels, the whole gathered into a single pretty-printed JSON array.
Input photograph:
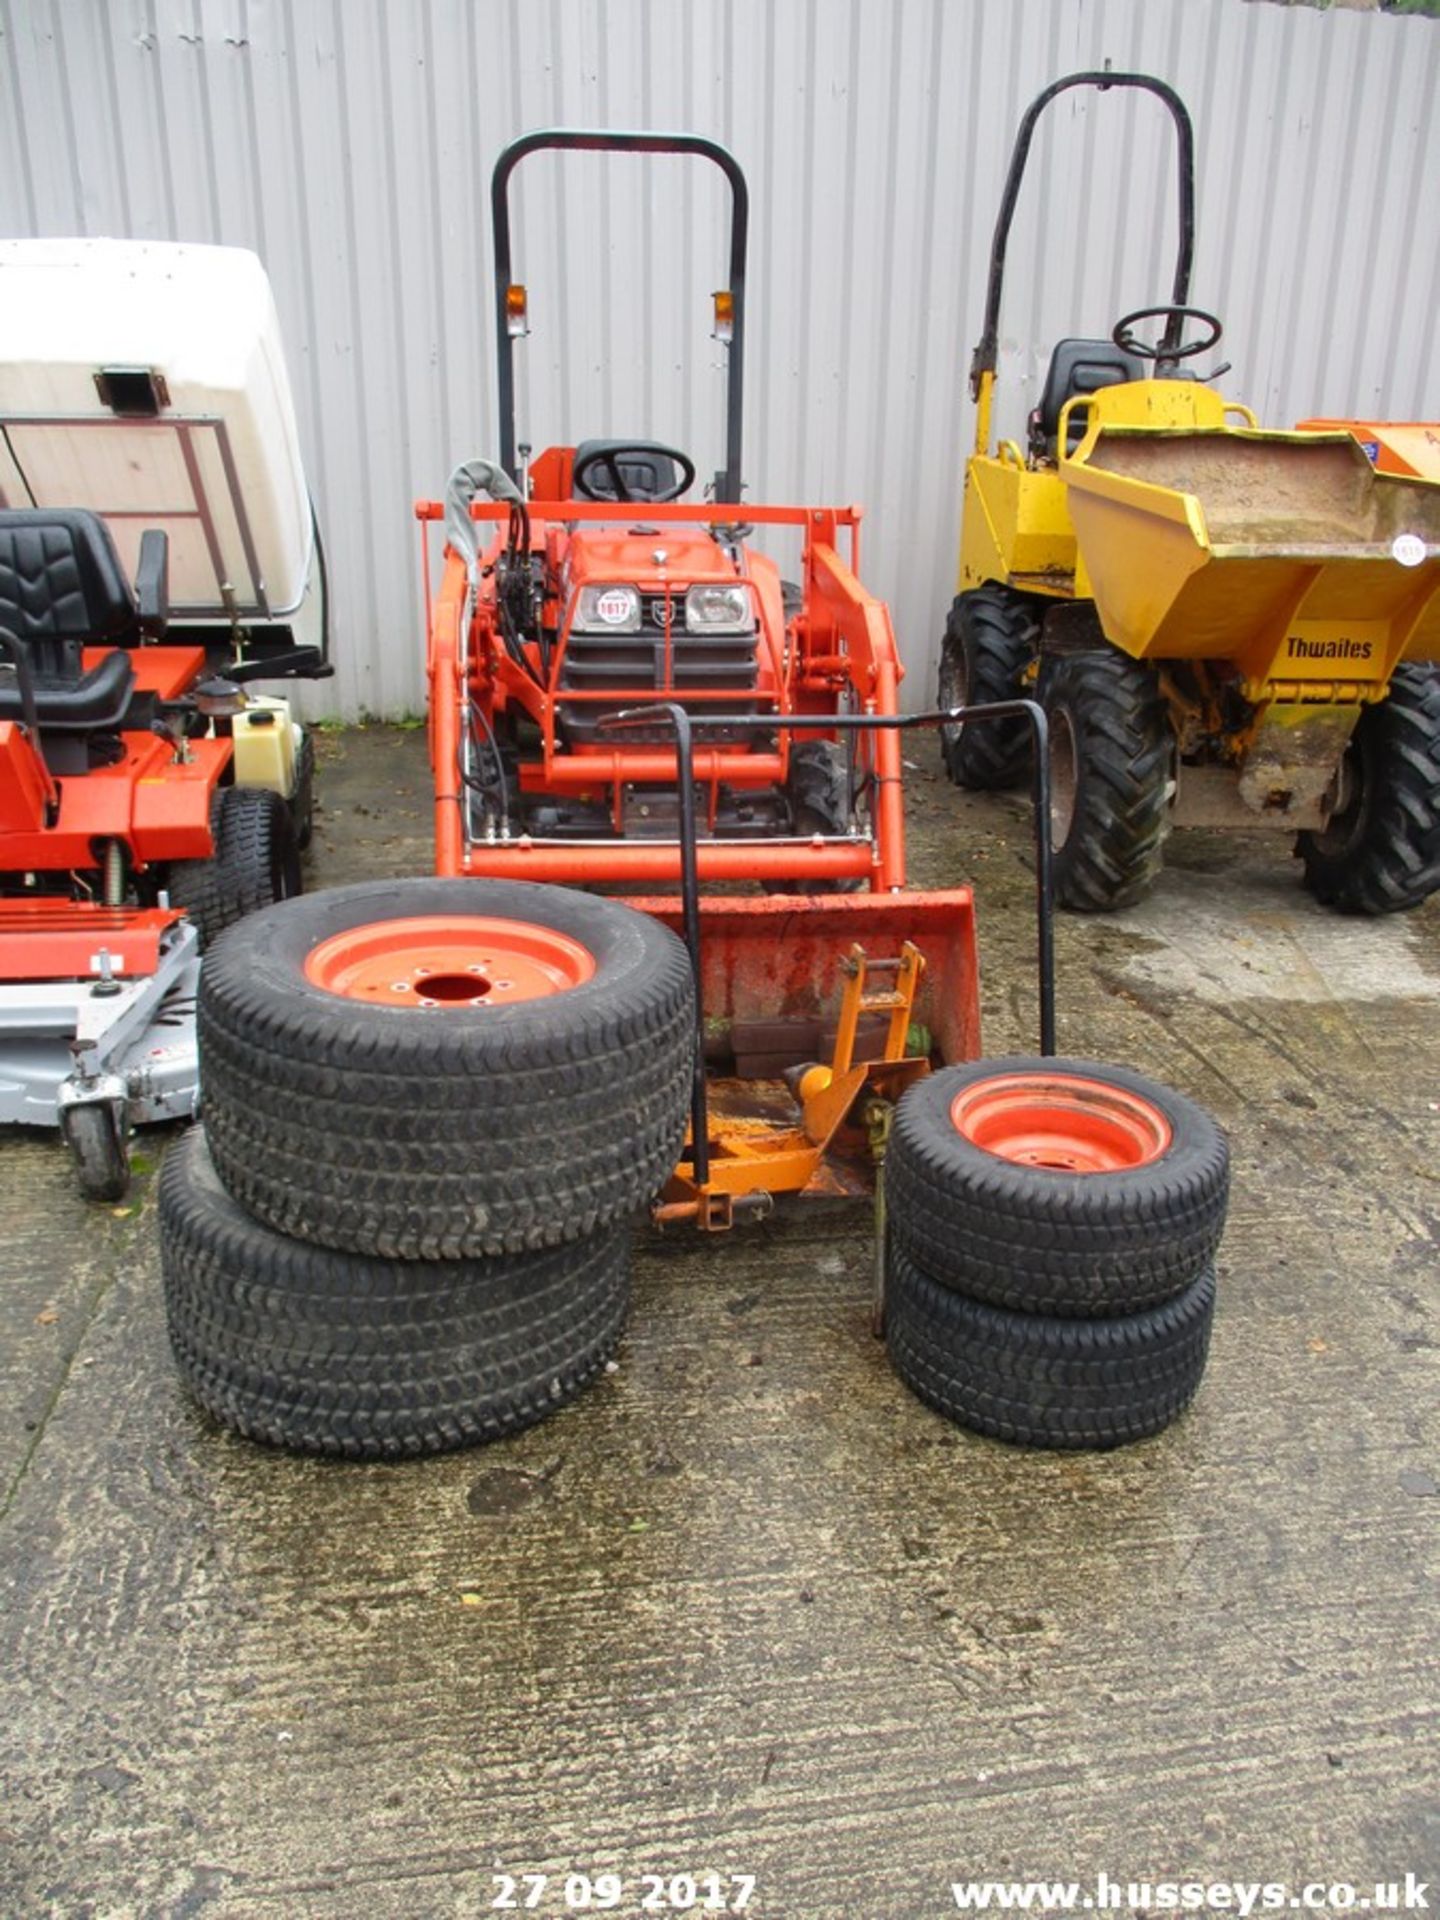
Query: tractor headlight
[
  {"x": 608, "y": 610},
  {"x": 714, "y": 609}
]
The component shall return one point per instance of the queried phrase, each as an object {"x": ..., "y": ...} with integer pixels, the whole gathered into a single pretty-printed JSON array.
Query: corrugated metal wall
[{"x": 350, "y": 141}]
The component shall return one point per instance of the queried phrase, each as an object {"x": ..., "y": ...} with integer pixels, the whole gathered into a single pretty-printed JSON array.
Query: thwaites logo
[{"x": 1299, "y": 648}]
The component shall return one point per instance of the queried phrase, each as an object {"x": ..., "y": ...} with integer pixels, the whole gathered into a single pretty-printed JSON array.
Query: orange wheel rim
[
  {"x": 442, "y": 961},
  {"x": 1065, "y": 1125}
]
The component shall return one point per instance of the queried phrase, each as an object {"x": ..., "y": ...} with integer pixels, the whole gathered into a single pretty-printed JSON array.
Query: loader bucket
[
  {"x": 772, "y": 969},
  {"x": 1285, "y": 553}
]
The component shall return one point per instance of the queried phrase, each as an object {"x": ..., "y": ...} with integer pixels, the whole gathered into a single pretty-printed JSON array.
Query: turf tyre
[
  {"x": 1381, "y": 852},
  {"x": 478, "y": 1131},
  {"x": 1111, "y": 774},
  {"x": 256, "y": 862},
  {"x": 1035, "y": 1239},
  {"x": 337, "y": 1354},
  {"x": 1037, "y": 1381},
  {"x": 990, "y": 639}
]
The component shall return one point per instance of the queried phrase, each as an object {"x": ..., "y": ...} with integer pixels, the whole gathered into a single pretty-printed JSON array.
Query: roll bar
[
  {"x": 569, "y": 139},
  {"x": 987, "y": 350}
]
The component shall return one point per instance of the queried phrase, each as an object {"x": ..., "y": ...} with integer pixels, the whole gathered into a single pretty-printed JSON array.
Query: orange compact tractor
[
  {"x": 582, "y": 587},
  {"x": 158, "y": 558}
]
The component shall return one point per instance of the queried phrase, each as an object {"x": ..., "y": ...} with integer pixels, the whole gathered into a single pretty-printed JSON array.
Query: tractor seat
[
  {"x": 93, "y": 702},
  {"x": 645, "y": 474},
  {"x": 62, "y": 589},
  {"x": 1077, "y": 366}
]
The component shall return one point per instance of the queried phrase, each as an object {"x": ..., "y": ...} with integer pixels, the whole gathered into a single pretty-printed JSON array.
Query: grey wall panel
[{"x": 350, "y": 141}]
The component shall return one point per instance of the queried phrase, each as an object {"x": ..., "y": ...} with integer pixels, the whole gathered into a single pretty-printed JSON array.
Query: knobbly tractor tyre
[
  {"x": 338, "y": 1354},
  {"x": 1380, "y": 852},
  {"x": 1055, "y": 1186},
  {"x": 1038, "y": 1381},
  {"x": 819, "y": 794},
  {"x": 440, "y": 1069},
  {"x": 990, "y": 639},
  {"x": 256, "y": 862},
  {"x": 1111, "y": 755}
]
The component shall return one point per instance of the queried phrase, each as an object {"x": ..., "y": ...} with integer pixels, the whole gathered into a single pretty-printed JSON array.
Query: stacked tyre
[
  {"x": 432, "y": 1110},
  {"x": 1052, "y": 1232}
]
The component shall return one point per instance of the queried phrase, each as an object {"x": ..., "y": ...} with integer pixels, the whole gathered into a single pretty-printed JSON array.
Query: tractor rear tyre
[
  {"x": 1380, "y": 853},
  {"x": 1055, "y": 1186},
  {"x": 302, "y": 800},
  {"x": 990, "y": 639},
  {"x": 439, "y": 1069},
  {"x": 1111, "y": 779},
  {"x": 1041, "y": 1382},
  {"x": 255, "y": 862},
  {"x": 336, "y": 1354}
]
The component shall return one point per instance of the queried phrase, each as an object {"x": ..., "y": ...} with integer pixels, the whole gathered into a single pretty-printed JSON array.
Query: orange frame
[{"x": 843, "y": 643}]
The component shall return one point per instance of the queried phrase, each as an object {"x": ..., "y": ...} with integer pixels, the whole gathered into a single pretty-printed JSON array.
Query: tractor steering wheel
[
  {"x": 1144, "y": 350},
  {"x": 607, "y": 458}
]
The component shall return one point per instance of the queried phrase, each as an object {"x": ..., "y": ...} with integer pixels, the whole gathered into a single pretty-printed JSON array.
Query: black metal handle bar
[{"x": 985, "y": 712}]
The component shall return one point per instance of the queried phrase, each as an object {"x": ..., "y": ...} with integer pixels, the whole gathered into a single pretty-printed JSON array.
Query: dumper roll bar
[
  {"x": 1031, "y": 711},
  {"x": 562, "y": 139},
  {"x": 986, "y": 353}
]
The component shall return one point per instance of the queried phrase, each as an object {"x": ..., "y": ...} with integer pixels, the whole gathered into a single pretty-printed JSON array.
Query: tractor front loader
[
  {"x": 1226, "y": 626},
  {"x": 585, "y": 615},
  {"x": 583, "y": 587}
]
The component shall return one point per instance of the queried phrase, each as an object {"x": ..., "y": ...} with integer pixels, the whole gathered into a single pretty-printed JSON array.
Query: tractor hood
[{"x": 647, "y": 560}]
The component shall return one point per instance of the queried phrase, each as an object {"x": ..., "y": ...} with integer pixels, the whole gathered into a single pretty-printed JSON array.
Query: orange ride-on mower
[
  {"x": 582, "y": 587},
  {"x": 147, "y": 798}
]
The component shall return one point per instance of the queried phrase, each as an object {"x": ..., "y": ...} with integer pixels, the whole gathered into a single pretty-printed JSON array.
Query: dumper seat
[{"x": 1076, "y": 366}]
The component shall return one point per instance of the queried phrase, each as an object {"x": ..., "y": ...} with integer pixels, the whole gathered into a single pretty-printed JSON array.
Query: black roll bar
[
  {"x": 570, "y": 139},
  {"x": 986, "y": 353}
]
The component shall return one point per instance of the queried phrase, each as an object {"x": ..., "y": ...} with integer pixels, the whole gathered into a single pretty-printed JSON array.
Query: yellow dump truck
[{"x": 1226, "y": 626}]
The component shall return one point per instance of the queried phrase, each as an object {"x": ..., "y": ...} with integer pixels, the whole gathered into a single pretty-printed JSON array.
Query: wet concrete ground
[{"x": 748, "y": 1608}]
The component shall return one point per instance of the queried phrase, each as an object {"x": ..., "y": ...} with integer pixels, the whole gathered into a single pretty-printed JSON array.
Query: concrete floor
[{"x": 748, "y": 1607}]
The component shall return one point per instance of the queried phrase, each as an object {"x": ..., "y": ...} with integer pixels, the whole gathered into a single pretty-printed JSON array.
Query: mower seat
[
  {"x": 1077, "y": 366},
  {"x": 645, "y": 474},
  {"x": 61, "y": 590}
]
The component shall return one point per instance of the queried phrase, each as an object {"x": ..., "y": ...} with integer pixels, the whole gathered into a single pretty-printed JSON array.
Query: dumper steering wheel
[
  {"x": 608, "y": 459},
  {"x": 1145, "y": 350}
]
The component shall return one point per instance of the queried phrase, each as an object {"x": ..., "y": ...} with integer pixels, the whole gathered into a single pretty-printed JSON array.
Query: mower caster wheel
[
  {"x": 95, "y": 1135},
  {"x": 1041, "y": 1382},
  {"x": 373, "y": 1359},
  {"x": 1055, "y": 1186}
]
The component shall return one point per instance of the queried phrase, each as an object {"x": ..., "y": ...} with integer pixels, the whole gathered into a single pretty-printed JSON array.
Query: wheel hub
[
  {"x": 1066, "y": 1125},
  {"x": 439, "y": 962}
]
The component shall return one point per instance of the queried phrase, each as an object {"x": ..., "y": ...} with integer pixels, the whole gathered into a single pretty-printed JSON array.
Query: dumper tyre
[
  {"x": 1041, "y": 1382},
  {"x": 990, "y": 639},
  {"x": 359, "y": 1095},
  {"x": 339, "y": 1354},
  {"x": 256, "y": 862},
  {"x": 1055, "y": 1186},
  {"x": 1111, "y": 777},
  {"x": 1381, "y": 852}
]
